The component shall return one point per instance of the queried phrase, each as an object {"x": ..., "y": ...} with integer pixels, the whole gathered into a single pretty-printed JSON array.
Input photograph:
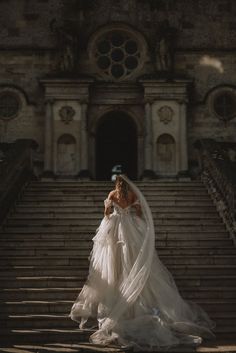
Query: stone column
[
  {"x": 183, "y": 136},
  {"x": 84, "y": 142},
  {"x": 48, "y": 143},
  {"x": 148, "y": 160}
]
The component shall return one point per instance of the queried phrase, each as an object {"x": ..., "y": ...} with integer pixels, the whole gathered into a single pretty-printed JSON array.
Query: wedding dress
[{"x": 130, "y": 292}]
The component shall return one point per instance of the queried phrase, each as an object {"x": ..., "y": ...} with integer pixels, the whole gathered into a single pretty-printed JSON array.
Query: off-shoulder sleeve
[
  {"x": 108, "y": 202},
  {"x": 137, "y": 202}
]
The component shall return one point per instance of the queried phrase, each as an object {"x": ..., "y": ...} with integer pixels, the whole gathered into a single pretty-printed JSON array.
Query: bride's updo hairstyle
[{"x": 122, "y": 186}]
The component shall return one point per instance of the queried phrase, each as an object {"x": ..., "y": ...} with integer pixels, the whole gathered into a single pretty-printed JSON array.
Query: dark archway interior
[{"x": 116, "y": 143}]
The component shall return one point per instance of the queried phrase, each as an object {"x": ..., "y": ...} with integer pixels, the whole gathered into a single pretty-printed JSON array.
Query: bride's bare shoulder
[{"x": 111, "y": 195}]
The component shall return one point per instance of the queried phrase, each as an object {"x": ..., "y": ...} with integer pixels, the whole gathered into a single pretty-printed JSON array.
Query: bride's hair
[{"x": 122, "y": 186}]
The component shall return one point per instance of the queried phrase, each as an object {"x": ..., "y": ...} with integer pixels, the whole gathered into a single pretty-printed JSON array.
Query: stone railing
[
  {"x": 218, "y": 176},
  {"x": 15, "y": 172}
]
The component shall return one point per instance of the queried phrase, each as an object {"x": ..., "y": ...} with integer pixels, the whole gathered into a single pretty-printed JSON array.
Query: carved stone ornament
[
  {"x": 166, "y": 114},
  {"x": 66, "y": 113}
]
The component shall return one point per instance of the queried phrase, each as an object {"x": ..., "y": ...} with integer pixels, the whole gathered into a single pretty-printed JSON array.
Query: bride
[{"x": 129, "y": 291}]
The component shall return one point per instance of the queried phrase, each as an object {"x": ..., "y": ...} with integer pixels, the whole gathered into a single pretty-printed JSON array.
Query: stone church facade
[{"x": 127, "y": 82}]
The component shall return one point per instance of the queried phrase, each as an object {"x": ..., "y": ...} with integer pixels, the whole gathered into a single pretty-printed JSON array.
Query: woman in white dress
[{"x": 129, "y": 291}]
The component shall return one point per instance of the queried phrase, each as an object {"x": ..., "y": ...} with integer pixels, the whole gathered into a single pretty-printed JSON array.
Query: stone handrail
[
  {"x": 215, "y": 167},
  {"x": 15, "y": 172}
]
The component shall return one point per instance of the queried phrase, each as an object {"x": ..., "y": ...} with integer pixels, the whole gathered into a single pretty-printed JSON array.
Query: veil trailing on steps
[{"x": 158, "y": 316}]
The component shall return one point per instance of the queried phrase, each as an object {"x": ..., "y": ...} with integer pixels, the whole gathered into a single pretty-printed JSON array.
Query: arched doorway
[{"x": 116, "y": 143}]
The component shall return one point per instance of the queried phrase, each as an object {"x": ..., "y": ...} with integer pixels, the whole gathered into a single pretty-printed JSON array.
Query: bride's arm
[
  {"x": 137, "y": 206},
  {"x": 108, "y": 204}
]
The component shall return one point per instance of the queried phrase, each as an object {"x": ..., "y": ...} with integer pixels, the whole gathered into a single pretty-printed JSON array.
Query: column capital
[
  {"x": 50, "y": 101},
  {"x": 148, "y": 100}
]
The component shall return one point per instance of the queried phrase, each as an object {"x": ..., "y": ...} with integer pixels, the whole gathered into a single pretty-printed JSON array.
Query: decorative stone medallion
[
  {"x": 166, "y": 114},
  {"x": 66, "y": 113}
]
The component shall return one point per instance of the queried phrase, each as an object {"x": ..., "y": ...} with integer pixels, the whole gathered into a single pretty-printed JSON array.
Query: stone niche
[
  {"x": 166, "y": 136},
  {"x": 65, "y": 146}
]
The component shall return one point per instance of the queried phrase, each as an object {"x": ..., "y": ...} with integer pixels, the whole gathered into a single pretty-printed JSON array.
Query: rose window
[{"x": 117, "y": 54}]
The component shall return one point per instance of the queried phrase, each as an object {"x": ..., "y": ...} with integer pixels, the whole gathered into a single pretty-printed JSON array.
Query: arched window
[
  {"x": 222, "y": 103},
  {"x": 225, "y": 105},
  {"x": 9, "y": 105},
  {"x": 166, "y": 155},
  {"x": 66, "y": 158}
]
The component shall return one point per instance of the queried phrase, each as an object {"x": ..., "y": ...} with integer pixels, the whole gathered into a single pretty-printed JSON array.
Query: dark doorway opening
[{"x": 116, "y": 143}]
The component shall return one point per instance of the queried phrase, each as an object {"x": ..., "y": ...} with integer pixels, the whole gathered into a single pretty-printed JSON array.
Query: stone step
[
  {"x": 44, "y": 307},
  {"x": 209, "y": 244},
  {"x": 99, "y": 209},
  {"x": 75, "y": 198},
  {"x": 108, "y": 184},
  {"x": 85, "y": 248},
  {"x": 77, "y": 281},
  {"x": 95, "y": 220},
  {"x": 82, "y": 259},
  {"x": 83, "y": 214},
  {"x": 75, "y": 271},
  {"x": 88, "y": 227},
  {"x": 74, "y": 340},
  {"x": 47, "y": 233},
  {"x": 62, "y": 321},
  {"x": 214, "y": 308},
  {"x": 80, "y": 254},
  {"x": 68, "y": 293},
  {"x": 107, "y": 187},
  {"x": 75, "y": 203},
  {"x": 78, "y": 193},
  {"x": 43, "y": 335}
]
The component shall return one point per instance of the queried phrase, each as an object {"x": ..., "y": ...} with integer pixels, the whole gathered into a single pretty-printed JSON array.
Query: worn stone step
[
  {"x": 217, "y": 305},
  {"x": 209, "y": 244},
  {"x": 92, "y": 225},
  {"x": 82, "y": 258},
  {"x": 214, "y": 308},
  {"x": 42, "y": 335},
  {"x": 65, "y": 293},
  {"x": 40, "y": 307},
  {"x": 71, "y": 251},
  {"x": 96, "y": 197},
  {"x": 95, "y": 220},
  {"x": 164, "y": 202},
  {"x": 107, "y": 187},
  {"x": 59, "y": 320},
  {"x": 210, "y": 210},
  {"x": 74, "y": 270},
  {"x": 208, "y": 293},
  {"x": 73, "y": 193},
  {"x": 108, "y": 184},
  {"x": 47, "y": 233},
  {"x": 10, "y": 254},
  {"x": 84, "y": 214},
  {"x": 77, "y": 281}
]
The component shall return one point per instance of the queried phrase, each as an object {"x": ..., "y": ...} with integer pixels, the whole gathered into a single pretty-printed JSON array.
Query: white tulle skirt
[{"x": 159, "y": 318}]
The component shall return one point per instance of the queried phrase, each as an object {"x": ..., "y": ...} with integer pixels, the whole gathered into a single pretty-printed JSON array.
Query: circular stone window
[
  {"x": 224, "y": 104},
  {"x": 9, "y": 105},
  {"x": 117, "y": 54}
]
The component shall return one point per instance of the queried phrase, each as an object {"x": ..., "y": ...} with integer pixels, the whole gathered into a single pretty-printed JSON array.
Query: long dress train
[{"x": 131, "y": 293}]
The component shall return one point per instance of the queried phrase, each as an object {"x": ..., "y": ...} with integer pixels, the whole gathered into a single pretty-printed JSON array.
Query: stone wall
[{"x": 204, "y": 46}]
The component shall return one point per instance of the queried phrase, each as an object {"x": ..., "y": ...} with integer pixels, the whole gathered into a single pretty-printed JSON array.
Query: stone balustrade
[
  {"x": 218, "y": 175},
  {"x": 15, "y": 171}
]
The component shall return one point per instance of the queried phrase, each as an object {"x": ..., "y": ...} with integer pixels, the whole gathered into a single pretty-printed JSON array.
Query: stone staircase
[{"x": 46, "y": 240}]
